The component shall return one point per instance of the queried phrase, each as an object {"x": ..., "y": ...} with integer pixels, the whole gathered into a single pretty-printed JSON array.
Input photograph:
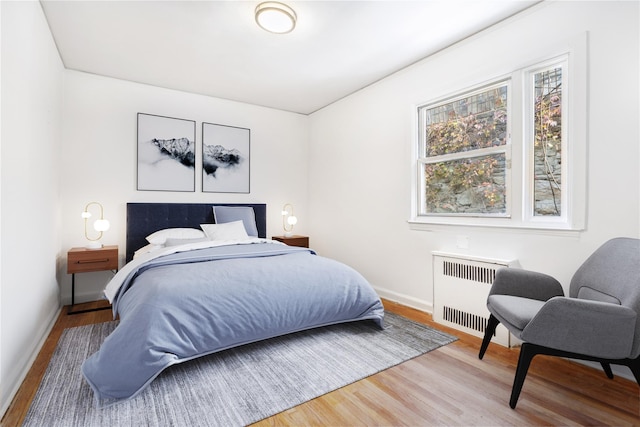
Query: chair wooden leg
[
  {"x": 607, "y": 369},
  {"x": 492, "y": 324},
  {"x": 527, "y": 353}
]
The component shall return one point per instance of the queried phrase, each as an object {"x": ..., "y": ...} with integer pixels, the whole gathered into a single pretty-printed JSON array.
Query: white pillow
[
  {"x": 228, "y": 231},
  {"x": 161, "y": 236}
]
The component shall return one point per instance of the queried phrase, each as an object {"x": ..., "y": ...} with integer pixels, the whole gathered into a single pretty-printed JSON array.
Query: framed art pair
[{"x": 167, "y": 156}]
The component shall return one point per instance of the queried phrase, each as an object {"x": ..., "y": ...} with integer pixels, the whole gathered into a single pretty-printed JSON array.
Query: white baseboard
[
  {"x": 407, "y": 300},
  {"x": 44, "y": 333}
]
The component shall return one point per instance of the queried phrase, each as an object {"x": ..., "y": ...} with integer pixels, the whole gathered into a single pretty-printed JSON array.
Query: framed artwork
[
  {"x": 225, "y": 158},
  {"x": 166, "y": 153}
]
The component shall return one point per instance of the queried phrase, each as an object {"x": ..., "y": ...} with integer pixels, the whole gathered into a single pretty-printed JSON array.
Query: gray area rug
[{"x": 234, "y": 387}]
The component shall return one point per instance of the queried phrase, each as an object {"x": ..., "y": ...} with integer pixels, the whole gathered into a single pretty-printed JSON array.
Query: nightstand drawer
[{"x": 81, "y": 260}]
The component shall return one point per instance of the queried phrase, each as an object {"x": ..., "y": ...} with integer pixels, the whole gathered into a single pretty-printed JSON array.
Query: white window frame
[
  {"x": 529, "y": 142},
  {"x": 506, "y": 149},
  {"x": 573, "y": 56}
]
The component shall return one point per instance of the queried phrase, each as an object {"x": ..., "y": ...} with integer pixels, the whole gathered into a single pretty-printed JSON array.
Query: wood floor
[{"x": 448, "y": 386}]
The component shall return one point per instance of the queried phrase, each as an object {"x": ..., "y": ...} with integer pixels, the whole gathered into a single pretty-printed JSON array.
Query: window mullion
[{"x": 464, "y": 154}]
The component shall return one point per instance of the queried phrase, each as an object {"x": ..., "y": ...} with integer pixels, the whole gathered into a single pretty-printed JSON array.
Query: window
[
  {"x": 464, "y": 152},
  {"x": 505, "y": 154},
  {"x": 546, "y": 140}
]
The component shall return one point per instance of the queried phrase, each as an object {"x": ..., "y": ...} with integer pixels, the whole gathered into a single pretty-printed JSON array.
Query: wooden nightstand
[
  {"x": 83, "y": 260},
  {"x": 302, "y": 241}
]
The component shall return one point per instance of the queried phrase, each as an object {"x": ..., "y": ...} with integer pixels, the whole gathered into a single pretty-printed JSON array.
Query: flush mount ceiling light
[{"x": 275, "y": 17}]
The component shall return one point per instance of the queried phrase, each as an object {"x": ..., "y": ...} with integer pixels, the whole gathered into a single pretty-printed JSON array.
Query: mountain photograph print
[
  {"x": 225, "y": 158},
  {"x": 166, "y": 153}
]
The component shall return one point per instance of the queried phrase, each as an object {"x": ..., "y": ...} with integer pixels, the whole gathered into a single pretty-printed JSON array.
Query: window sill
[{"x": 433, "y": 224}]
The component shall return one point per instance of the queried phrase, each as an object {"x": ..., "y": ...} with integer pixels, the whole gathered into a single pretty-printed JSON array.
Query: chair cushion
[{"x": 513, "y": 312}]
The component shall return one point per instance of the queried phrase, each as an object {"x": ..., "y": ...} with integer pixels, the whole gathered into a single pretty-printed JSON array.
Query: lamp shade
[{"x": 101, "y": 225}]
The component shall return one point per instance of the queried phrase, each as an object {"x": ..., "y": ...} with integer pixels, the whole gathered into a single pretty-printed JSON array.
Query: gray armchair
[{"x": 599, "y": 320}]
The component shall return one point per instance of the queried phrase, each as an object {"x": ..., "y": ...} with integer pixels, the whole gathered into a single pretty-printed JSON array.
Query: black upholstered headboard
[{"x": 145, "y": 218}]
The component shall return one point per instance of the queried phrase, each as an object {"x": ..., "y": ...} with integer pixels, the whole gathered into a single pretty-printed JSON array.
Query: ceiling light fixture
[{"x": 275, "y": 17}]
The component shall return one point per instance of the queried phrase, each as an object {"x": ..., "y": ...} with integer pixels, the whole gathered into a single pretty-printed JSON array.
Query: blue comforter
[{"x": 184, "y": 305}]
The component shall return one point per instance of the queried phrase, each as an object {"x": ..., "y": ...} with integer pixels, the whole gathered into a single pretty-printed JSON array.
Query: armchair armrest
[
  {"x": 525, "y": 284},
  {"x": 594, "y": 328}
]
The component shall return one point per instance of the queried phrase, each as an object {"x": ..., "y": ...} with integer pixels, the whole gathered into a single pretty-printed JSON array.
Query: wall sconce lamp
[
  {"x": 288, "y": 220},
  {"x": 275, "y": 17},
  {"x": 100, "y": 225}
]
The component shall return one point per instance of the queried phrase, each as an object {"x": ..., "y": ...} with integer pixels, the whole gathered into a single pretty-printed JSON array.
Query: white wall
[
  {"x": 99, "y": 161},
  {"x": 346, "y": 168},
  {"x": 360, "y": 152},
  {"x": 30, "y": 165}
]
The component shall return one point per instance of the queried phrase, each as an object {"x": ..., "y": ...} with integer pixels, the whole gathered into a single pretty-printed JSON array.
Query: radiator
[{"x": 461, "y": 285}]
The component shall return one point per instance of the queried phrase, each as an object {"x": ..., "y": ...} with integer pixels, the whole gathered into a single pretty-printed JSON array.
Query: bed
[{"x": 193, "y": 286}]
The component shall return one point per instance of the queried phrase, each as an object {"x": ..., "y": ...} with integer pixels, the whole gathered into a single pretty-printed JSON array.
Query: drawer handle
[{"x": 93, "y": 261}]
